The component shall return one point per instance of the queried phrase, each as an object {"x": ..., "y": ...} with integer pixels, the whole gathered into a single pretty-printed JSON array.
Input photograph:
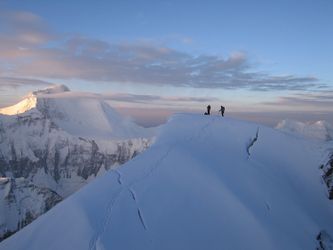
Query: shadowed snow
[{"x": 196, "y": 188}]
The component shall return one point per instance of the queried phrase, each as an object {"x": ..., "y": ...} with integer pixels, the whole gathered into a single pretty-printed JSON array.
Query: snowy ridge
[
  {"x": 321, "y": 130},
  {"x": 197, "y": 188}
]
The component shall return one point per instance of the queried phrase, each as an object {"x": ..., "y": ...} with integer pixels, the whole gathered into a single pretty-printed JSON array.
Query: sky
[{"x": 262, "y": 60}]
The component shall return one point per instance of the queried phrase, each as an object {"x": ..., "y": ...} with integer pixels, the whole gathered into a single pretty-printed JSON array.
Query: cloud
[
  {"x": 29, "y": 48},
  {"x": 133, "y": 98},
  {"x": 14, "y": 82},
  {"x": 320, "y": 101},
  {"x": 23, "y": 28},
  {"x": 148, "y": 99}
]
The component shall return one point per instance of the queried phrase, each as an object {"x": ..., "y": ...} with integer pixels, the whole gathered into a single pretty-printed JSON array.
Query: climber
[
  {"x": 222, "y": 110},
  {"x": 208, "y": 110}
]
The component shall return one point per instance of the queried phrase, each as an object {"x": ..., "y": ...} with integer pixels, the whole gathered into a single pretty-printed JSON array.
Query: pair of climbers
[{"x": 209, "y": 108}]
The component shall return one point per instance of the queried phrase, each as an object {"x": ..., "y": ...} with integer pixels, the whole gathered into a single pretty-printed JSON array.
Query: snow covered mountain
[
  {"x": 206, "y": 183},
  {"x": 318, "y": 130},
  {"x": 79, "y": 114},
  {"x": 54, "y": 142}
]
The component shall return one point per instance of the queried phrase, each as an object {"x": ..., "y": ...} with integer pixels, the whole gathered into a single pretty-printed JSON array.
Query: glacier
[{"x": 206, "y": 183}]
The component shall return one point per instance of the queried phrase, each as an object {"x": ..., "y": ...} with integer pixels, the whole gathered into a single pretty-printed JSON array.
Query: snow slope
[
  {"x": 207, "y": 183},
  {"x": 321, "y": 130}
]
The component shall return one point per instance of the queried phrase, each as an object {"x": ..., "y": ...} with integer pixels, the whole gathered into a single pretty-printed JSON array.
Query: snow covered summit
[
  {"x": 207, "y": 183},
  {"x": 79, "y": 114},
  {"x": 30, "y": 101}
]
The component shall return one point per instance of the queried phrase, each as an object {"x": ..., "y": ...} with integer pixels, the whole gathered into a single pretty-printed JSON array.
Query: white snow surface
[
  {"x": 204, "y": 184},
  {"x": 26, "y": 104},
  {"x": 79, "y": 114},
  {"x": 30, "y": 101},
  {"x": 321, "y": 130}
]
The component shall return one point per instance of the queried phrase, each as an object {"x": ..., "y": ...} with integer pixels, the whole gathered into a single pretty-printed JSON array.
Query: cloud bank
[
  {"x": 30, "y": 49},
  {"x": 320, "y": 100},
  {"x": 16, "y": 82}
]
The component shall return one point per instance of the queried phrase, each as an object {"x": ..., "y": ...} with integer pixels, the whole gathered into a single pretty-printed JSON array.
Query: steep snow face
[
  {"x": 26, "y": 104},
  {"x": 207, "y": 183},
  {"x": 89, "y": 118},
  {"x": 318, "y": 130}
]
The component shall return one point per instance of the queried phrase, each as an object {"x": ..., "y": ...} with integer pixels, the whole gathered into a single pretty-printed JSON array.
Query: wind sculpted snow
[{"x": 196, "y": 188}]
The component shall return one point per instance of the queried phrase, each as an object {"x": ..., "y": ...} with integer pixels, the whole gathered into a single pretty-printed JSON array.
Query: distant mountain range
[{"x": 320, "y": 130}]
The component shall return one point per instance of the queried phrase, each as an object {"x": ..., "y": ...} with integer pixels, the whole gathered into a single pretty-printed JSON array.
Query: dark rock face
[
  {"x": 59, "y": 157},
  {"x": 328, "y": 175},
  {"x": 325, "y": 241},
  {"x": 50, "y": 164}
]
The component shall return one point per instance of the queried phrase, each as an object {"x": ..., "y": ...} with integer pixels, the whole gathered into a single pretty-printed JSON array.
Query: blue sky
[{"x": 262, "y": 56}]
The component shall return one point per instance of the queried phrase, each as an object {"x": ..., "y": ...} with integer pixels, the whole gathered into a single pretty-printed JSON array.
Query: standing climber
[
  {"x": 222, "y": 110},
  {"x": 208, "y": 110}
]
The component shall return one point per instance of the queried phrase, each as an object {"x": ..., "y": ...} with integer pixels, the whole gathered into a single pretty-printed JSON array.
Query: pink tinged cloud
[{"x": 26, "y": 36}]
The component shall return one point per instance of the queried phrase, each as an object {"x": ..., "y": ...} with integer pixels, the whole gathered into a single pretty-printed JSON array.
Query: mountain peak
[{"x": 30, "y": 101}]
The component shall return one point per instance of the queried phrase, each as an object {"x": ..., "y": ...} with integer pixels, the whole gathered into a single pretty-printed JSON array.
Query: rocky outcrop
[
  {"x": 327, "y": 175},
  {"x": 324, "y": 240},
  {"x": 21, "y": 203}
]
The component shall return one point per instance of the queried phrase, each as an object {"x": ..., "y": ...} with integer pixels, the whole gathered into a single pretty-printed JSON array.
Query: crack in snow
[
  {"x": 142, "y": 219},
  {"x": 119, "y": 176},
  {"x": 111, "y": 204},
  {"x": 138, "y": 208},
  {"x": 132, "y": 193},
  {"x": 252, "y": 142}
]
